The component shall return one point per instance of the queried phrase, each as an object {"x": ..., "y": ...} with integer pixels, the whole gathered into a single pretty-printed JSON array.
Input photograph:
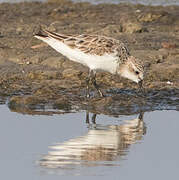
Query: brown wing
[{"x": 94, "y": 44}]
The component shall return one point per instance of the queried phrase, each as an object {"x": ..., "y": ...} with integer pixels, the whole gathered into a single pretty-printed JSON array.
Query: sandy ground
[{"x": 34, "y": 76}]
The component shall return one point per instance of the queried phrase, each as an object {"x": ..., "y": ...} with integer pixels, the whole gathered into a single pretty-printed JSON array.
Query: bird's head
[{"x": 132, "y": 69}]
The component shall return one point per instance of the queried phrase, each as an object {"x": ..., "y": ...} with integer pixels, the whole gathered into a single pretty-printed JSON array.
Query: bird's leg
[
  {"x": 93, "y": 79},
  {"x": 88, "y": 79}
]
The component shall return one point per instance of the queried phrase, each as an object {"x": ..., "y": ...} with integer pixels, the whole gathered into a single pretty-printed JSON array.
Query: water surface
[{"x": 74, "y": 146}]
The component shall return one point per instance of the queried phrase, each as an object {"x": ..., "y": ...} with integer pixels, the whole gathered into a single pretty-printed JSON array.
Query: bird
[{"x": 98, "y": 53}]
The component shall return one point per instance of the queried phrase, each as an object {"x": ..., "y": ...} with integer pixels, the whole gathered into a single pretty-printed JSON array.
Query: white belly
[{"x": 107, "y": 62}]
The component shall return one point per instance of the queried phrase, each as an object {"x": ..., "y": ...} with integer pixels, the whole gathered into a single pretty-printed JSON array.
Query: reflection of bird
[
  {"x": 97, "y": 53},
  {"x": 101, "y": 143}
]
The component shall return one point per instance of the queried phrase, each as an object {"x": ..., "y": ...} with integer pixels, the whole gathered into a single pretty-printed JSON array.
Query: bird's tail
[
  {"x": 44, "y": 34},
  {"x": 40, "y": 35}
]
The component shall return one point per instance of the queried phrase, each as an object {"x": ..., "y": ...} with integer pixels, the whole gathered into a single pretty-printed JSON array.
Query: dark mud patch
[{"x": 121, "y": 101}]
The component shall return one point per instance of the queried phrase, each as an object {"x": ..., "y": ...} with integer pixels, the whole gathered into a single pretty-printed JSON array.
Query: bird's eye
[{"x": 137, "y": 72}]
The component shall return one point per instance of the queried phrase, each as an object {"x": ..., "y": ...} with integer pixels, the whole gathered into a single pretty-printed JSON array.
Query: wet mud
[{"x": 35, "y": 79}]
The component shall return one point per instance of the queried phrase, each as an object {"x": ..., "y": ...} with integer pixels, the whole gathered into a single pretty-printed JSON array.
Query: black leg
[
  {"x": 87, "y": 117},
  {"x": 88, "y": 79},
  {"x": 94, "y": 119},
  {"x": 141, "y": 115},
  {"x": 87, "y": 87},
  {"x": 96, "y": 85}
]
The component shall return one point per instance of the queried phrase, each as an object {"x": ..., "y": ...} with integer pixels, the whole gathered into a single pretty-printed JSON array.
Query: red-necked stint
[{"x": 97, "y": 53}]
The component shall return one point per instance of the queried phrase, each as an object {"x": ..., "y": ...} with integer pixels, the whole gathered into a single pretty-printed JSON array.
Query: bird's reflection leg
[
  {"x": 141, "y": 116},
  {"x": 93, "y": 119},
  {"x": 87, "y": 117}
]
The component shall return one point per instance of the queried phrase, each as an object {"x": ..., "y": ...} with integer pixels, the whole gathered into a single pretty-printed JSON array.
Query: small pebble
[
  {"x": 138, "y": 10},
  {"x": 168, "y": 45},
  {"x": 168, "y": 82}
]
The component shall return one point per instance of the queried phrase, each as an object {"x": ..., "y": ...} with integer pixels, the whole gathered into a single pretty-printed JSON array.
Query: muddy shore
[{"x": 34, "y": 76}]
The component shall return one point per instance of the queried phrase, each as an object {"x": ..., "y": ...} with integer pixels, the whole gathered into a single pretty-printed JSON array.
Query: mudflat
[{"x": 35, "y": 76}]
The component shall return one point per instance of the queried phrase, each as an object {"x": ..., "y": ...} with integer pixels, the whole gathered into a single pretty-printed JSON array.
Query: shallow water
[
  {"x": 139, "y": 146},
  {"x": 145, "y": 2}
]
